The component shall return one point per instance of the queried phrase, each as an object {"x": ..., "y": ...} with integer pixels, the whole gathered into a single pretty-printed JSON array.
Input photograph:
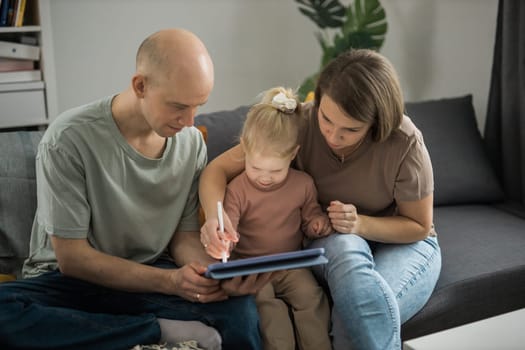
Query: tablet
[{"x": 267, "y": 263}]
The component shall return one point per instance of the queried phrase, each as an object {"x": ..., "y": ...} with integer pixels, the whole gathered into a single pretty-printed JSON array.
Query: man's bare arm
[{"x": 76, "y": 258}]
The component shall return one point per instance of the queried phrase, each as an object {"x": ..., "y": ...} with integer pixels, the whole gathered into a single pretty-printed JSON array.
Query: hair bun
[{"x": 284, "y": 104}]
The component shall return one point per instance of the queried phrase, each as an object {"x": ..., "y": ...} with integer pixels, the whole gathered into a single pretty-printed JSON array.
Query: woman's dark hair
[{"x": 364, "y": 84}]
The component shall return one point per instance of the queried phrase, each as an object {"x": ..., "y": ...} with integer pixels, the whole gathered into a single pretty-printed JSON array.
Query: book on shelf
[
  {"x": 10, "y": 64},
  {"x": 12, "y": 13},
  {"x": 20, "y": 76},
  {"x": 19, "y": 13},
  {"x": 21, "y": 51},
  {"x": 4, "y": 11}
]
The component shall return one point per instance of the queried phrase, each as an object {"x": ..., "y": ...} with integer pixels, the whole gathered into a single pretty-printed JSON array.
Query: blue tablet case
[{"x": 267, "y": 263}]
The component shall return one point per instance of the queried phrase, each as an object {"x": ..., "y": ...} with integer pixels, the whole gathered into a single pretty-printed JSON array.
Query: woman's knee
[
  {"x": 338, "y": 243},
  {"x": 345, "y": 252}
]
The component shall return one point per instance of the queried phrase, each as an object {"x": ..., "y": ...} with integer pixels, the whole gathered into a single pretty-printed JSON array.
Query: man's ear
[{"x": 138, "y": 83}]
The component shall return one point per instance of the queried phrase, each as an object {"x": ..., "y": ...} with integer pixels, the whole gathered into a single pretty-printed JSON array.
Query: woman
[{"x": 374, "y": 177}]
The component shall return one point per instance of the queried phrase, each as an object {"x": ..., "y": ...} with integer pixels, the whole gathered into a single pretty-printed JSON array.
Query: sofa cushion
[
  {"x": 462, "y": 172},
  {"x": 223, "y": 128},
  {"x": 483, "y": 268},
  {"x": 17, "y": 196}
]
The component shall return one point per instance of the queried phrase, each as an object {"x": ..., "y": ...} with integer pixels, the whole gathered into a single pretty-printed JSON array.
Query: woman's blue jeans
[
  {"x": 375, "y": 287},
  {"x": 53, "y": 311}
]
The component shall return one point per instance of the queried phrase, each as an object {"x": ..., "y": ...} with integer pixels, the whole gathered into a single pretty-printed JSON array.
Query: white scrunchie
[{"x": 283, "y": 103}]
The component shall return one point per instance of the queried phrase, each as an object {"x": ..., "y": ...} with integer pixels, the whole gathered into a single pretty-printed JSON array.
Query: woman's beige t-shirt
[{"x": 375, "y": 176}]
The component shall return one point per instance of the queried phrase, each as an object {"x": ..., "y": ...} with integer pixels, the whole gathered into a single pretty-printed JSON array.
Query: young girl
[{"x": 270, "y": 206}]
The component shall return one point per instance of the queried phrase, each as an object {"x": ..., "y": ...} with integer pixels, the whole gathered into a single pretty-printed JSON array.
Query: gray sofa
[{"x": 482, "y": 236}]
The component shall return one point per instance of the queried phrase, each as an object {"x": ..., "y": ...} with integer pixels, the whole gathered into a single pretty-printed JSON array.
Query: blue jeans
[
  {"x": 53, "y": 311},
  {"x": 375, "y": 287}
]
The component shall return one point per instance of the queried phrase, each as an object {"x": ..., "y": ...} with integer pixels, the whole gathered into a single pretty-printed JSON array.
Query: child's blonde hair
[{"x": 272, "y": 126}]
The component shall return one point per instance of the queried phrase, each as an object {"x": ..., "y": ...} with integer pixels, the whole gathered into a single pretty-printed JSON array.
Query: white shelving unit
[{"x": 32, "y": 103}]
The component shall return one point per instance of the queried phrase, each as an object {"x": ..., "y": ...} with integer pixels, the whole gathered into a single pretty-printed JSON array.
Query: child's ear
[{"x": 295, "y": 151}]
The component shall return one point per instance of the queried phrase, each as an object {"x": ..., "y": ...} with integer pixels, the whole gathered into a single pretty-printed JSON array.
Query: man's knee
[
  {"x": 246, "y": 307},
  {"x": 239, "y": 314}
]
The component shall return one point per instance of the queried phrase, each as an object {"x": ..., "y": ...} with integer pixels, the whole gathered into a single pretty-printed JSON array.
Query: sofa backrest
[
  {"x": 17, "y": 196},
  {"x": 223, "y": 129},
  {"x": 462, "y": 171}
]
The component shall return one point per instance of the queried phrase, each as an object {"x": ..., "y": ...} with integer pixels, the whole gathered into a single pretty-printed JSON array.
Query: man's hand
[
  {"x": 79, "y": 260},
  {"x": 189, "y": 283}
]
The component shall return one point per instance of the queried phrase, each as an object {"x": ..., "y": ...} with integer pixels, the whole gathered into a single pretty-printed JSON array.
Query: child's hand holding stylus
[{"x": 218, "y": 236}]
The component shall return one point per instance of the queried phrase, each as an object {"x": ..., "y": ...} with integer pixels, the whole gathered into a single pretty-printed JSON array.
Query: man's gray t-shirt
[{"x": 91, "y": 184}]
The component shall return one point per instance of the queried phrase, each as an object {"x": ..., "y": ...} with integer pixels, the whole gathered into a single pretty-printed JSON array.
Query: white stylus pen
[{"x": 221, "y": 227}]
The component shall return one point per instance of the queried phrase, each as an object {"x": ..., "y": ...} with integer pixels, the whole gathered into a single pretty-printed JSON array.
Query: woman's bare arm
[
  {"x": 215, "y": 177},
  {"x": 212, "y": 187},
  {"x": 412, "y": 223}
]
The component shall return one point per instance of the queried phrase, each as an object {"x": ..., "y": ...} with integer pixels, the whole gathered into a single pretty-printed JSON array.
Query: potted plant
[{"x": 361, "y": 24}]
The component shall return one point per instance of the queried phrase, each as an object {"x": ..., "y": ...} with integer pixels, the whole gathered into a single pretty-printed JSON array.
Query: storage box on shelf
[{"x": 27, "y": 84}]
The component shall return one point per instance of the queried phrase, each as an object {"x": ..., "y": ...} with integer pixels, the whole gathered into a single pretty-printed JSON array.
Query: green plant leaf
[
  {"x": 324, "y": 13},
  {"x": 376, "y": 16},
  {"x": 362, "y": 40},
  {"x": 322, "y": 41},
  {"x": 358, "y": 12},
  {"x": 365, "y": 16},
  {"x": 365, "y": 27},
  {"x": 360, "y": 25},
  {"x": 378, "y": 30},
  {"x": 307, "y": 86}
]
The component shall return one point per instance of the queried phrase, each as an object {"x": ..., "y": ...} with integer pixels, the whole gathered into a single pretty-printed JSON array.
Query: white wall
[
  {"x": 443, "y": 48},
  {"x": 440, "y": 47}
]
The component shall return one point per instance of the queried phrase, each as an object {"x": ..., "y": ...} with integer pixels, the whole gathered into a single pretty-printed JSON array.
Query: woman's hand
[
  {"x": 344, "y": 217},
  {"x": 189, "y": 283},
  {"x": 215, "y": 242}
]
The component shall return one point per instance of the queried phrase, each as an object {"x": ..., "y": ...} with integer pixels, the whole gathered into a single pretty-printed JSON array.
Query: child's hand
[
  {"x": 215, "y": 242},
  {"x": 319, "y": 227}
]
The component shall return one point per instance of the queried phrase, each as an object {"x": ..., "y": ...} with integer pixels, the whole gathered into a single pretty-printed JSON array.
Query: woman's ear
[{"x": 138, "y": 83}]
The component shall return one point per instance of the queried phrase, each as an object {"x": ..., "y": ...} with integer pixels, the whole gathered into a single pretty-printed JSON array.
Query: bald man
[{"x": 116, "y": 185}]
